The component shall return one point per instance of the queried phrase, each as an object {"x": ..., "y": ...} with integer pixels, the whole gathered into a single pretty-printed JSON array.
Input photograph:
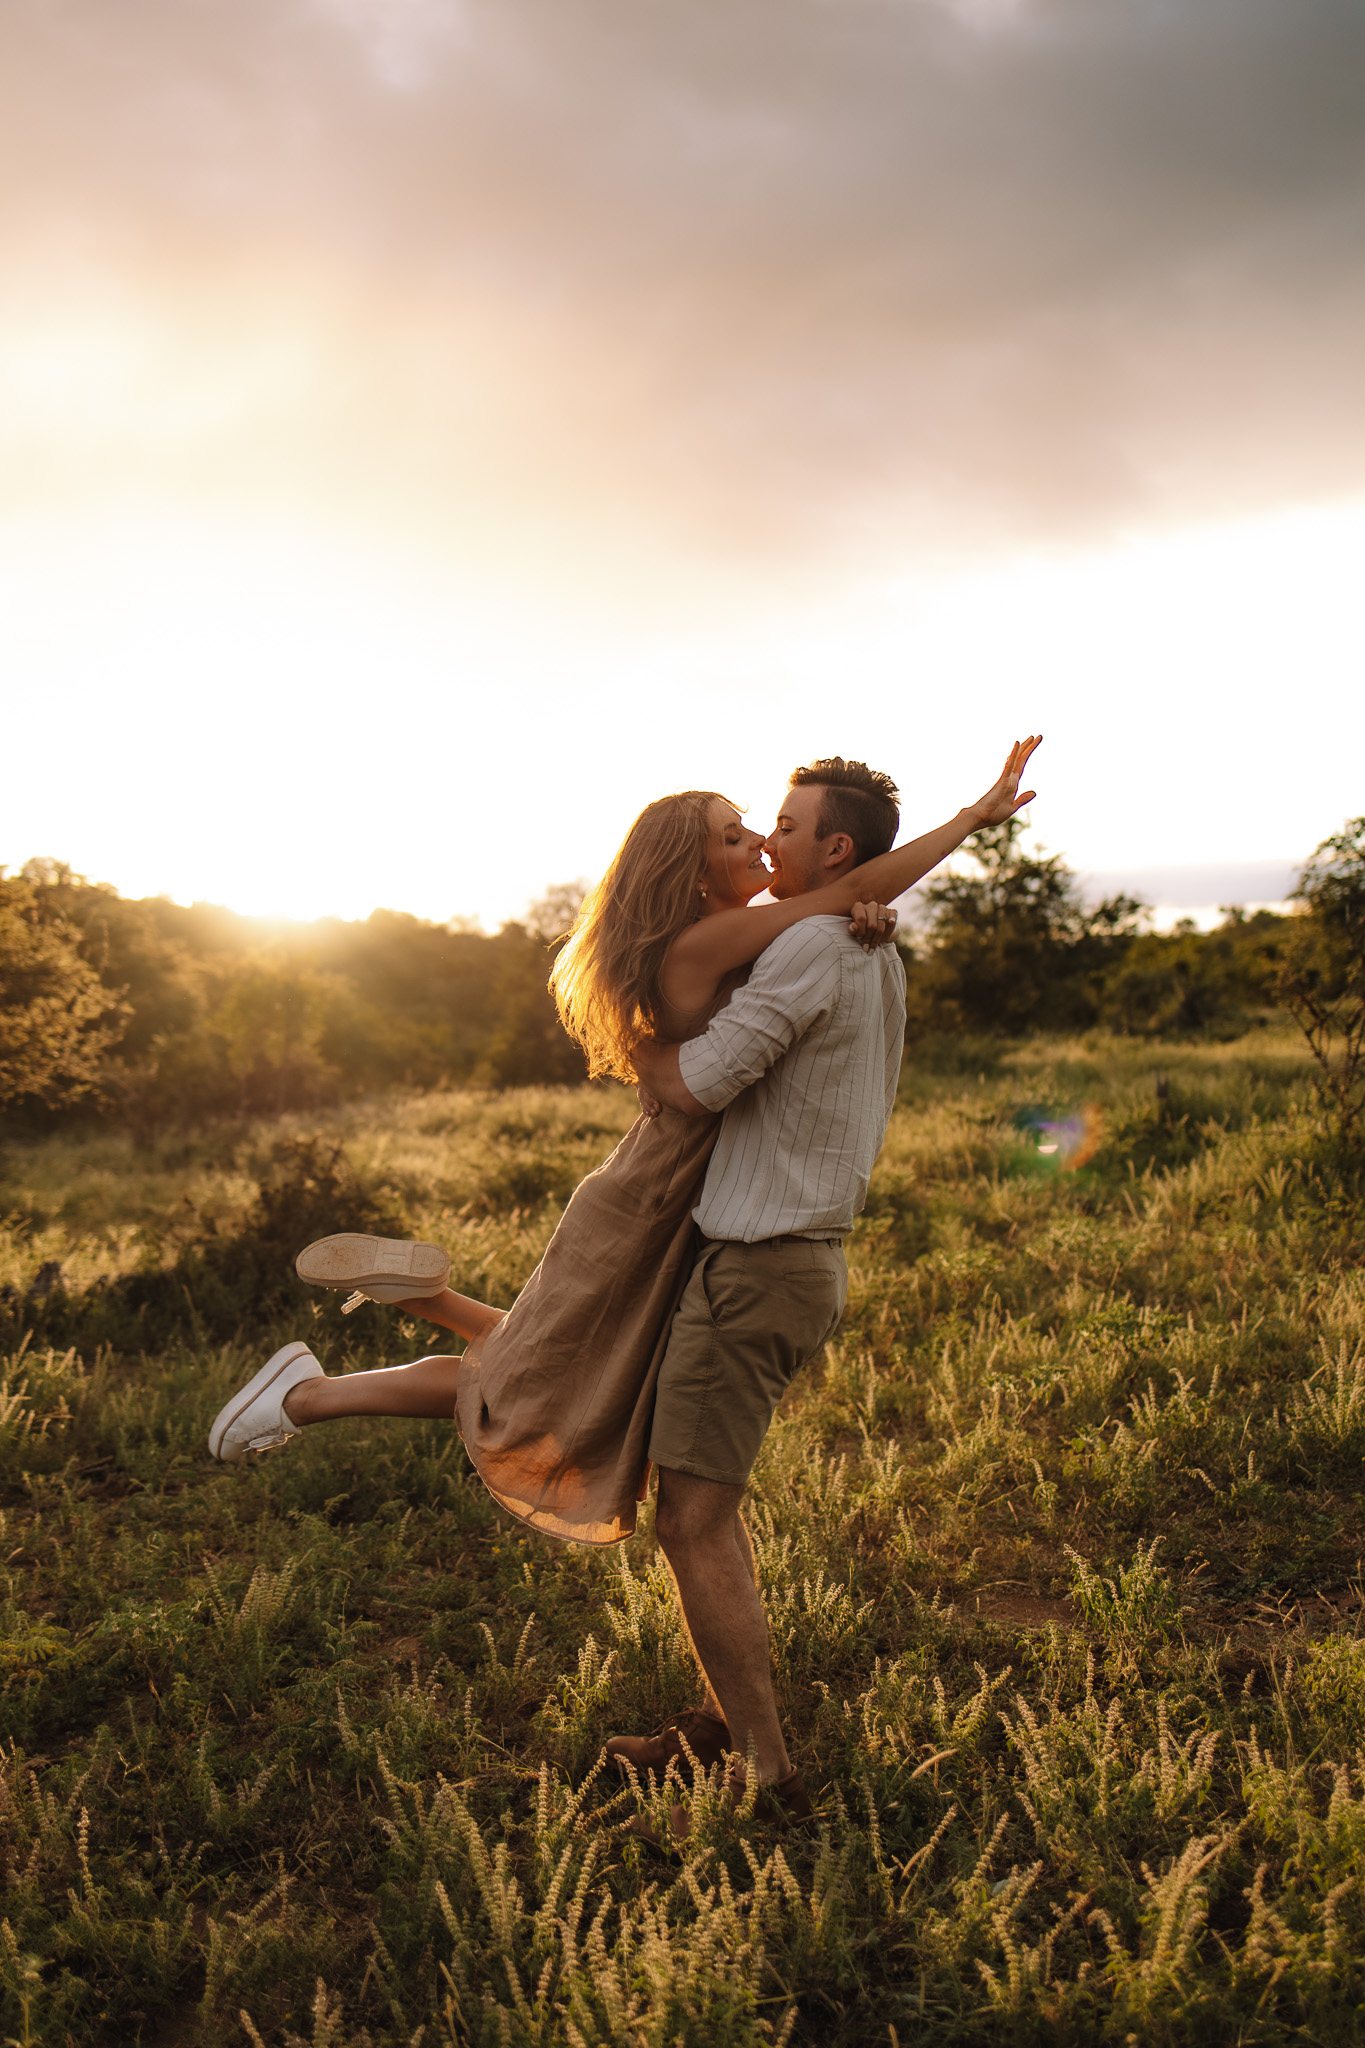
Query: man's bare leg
[
  {"x": 710, "y": 1704},
  {"x": 426, "y": 1387},
  {"x": 708, "y": 1551}
]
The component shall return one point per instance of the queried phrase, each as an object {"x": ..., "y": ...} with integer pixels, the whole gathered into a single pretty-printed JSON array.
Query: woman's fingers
[
  {"x": 861, "y": 923},
  {"x": 871, "y": 924}
]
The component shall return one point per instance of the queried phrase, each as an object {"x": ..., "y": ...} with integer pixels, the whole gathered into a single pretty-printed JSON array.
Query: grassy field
[{"x": 1061, "y": 1543}]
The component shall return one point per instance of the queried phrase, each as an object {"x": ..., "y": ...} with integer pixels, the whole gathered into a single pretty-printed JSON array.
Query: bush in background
[
  {"x": 160, "y": 1017},
  {"x": 57, "y": 1018},
  {"x": 1322, "y": 978},
  {"x": 1009, "y": 947},
  {"x": 195, "y": 1278}
]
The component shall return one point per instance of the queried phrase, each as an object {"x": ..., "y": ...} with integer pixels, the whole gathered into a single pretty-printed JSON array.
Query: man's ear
[{"x": 837, "y": 849}]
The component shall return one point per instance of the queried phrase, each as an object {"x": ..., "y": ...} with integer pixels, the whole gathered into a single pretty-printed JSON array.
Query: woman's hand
[
  {"x": 649, "y": 1104},
  {"x": 872, "y": 925},
  {"x": 1003, "y": 800}
]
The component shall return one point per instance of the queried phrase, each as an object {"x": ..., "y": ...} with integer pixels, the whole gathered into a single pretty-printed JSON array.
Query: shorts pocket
[
  {"x": 814, "y": 1306},
  {"x": 712, "y": 1285}
]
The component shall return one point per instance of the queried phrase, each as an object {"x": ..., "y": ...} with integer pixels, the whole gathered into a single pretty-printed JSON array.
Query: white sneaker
[
  {"x": 254, "y": 1419},
  {"x": 377, "y": 1268}
]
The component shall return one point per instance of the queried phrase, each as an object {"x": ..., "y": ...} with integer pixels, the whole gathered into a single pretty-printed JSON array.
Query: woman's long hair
[{"x": 606, "y": 978}]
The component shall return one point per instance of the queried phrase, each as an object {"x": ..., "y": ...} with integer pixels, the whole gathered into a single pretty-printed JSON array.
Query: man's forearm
[
  {"x": 657, "y": 1067},
  {"x": 895, "y": 872}
]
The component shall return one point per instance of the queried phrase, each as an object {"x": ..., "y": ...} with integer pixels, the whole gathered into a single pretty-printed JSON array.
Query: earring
[{"x": 703, "y": 895}]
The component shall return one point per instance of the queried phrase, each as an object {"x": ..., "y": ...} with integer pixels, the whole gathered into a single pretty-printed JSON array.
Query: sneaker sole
[
  {"x": 350, "y": 1260},
  {"x": 244, "y": 1397}
]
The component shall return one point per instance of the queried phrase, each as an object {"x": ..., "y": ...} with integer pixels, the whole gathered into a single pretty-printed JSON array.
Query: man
[
  {"x": 804, "y": 1061},
  {"x": 815, "y": 1040}
]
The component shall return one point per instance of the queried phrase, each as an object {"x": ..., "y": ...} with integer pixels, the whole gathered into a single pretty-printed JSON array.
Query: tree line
[
  {"x": 156, "y": 1015},
  {"x": 1009, "y": 946}
]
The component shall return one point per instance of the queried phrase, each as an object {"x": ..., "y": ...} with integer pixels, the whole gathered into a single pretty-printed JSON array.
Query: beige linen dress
[{"x": 554, "y": 1402}]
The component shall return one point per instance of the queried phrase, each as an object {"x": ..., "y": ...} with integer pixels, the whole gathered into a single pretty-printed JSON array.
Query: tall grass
[{"x": 1061, "y": 1545}]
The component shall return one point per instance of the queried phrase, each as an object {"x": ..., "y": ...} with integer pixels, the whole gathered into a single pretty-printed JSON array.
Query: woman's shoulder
[{"x": 679, "y": 1024}]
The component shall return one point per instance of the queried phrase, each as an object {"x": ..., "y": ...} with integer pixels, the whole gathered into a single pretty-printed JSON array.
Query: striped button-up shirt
[{"x": 804, "y": 1061}]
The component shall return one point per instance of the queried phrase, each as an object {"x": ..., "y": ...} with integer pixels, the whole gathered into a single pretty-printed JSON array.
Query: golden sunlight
[{"x": 284, "y": 720}]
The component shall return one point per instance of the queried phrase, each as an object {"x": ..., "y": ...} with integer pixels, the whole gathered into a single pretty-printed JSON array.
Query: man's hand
[
  {"x": 872, "y": 925},
  {"x": 656, "y": 1070},
  {"x": 1003, "y": 800},
  {"x": 650, "y": 1105}
]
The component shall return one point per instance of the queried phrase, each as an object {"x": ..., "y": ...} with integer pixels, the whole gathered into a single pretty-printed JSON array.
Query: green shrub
[{"x": 211, "y": 1284}]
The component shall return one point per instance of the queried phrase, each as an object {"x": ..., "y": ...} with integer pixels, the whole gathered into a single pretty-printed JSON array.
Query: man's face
[{"x": 798, "y": 859}]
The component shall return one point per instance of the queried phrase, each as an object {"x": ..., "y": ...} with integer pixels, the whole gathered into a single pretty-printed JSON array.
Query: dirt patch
[
  {"x": 1244, "y": 1621},
  {"x": 1021, "y": 1608},
  {"x": 178, "y": 2028}
]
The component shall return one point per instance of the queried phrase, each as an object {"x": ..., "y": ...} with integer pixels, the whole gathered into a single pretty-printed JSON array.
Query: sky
[{"x": 431, "y": 428}]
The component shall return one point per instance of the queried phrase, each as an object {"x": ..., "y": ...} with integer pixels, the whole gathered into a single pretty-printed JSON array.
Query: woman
[{"x": 554, "y": 1398}]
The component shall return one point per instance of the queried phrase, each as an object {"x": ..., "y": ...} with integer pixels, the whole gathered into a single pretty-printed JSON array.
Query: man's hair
[{"x": 858, "y": 800}]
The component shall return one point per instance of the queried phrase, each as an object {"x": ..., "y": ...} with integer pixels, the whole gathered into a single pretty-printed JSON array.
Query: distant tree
[
  {"x": 142, "y": 947},
  {"x": 528, "y": 1045},
  {"x": 421, "y": 1008},
  {"x": 204, "y": 1013},
  {"x": 550, "y": 918},
  {"x": 58, "y": 1020},
  {"x": 1166, "y": 985},
  {"x": 1010, "y": 946},
  {"x": 1322, "y": 978},
  {"x": 271, "y": 1023}
]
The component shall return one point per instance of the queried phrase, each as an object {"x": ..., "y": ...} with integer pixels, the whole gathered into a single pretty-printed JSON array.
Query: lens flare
[{"x": 1065, "y": 1142}]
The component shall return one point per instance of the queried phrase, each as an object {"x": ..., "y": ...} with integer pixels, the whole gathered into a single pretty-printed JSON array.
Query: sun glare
[{"x": 292, "y": 724}]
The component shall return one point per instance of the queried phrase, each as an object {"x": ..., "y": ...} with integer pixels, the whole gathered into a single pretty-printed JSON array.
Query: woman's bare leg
[
  {"x": 427, "y": 1387},
  {"x": 457, "y": 1312}
]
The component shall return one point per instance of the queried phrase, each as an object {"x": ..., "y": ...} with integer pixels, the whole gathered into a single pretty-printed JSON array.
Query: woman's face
[{"x": 735, "y": 871}]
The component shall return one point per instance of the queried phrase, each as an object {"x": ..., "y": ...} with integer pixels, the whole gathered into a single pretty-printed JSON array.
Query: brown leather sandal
[
  {"x": 785, "y": 1803},
  {"x": 707, "y": 1737}
]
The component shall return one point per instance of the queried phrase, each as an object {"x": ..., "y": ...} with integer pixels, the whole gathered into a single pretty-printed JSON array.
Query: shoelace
[{"x": 353, "y": 1301}]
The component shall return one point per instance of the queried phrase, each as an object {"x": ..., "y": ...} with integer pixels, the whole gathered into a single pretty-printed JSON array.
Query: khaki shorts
[{"x": 751, "y": 1316}]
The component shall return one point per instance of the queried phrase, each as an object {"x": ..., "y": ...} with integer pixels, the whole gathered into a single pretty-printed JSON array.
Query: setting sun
[{"x": 293, "y": 720}]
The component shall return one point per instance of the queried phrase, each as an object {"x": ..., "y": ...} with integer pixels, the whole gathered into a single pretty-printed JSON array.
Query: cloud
[
  {"x": 759, "y": 278},
  {"x": 1200, "y": 886},
  {"x": 403, "y": 40}
]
